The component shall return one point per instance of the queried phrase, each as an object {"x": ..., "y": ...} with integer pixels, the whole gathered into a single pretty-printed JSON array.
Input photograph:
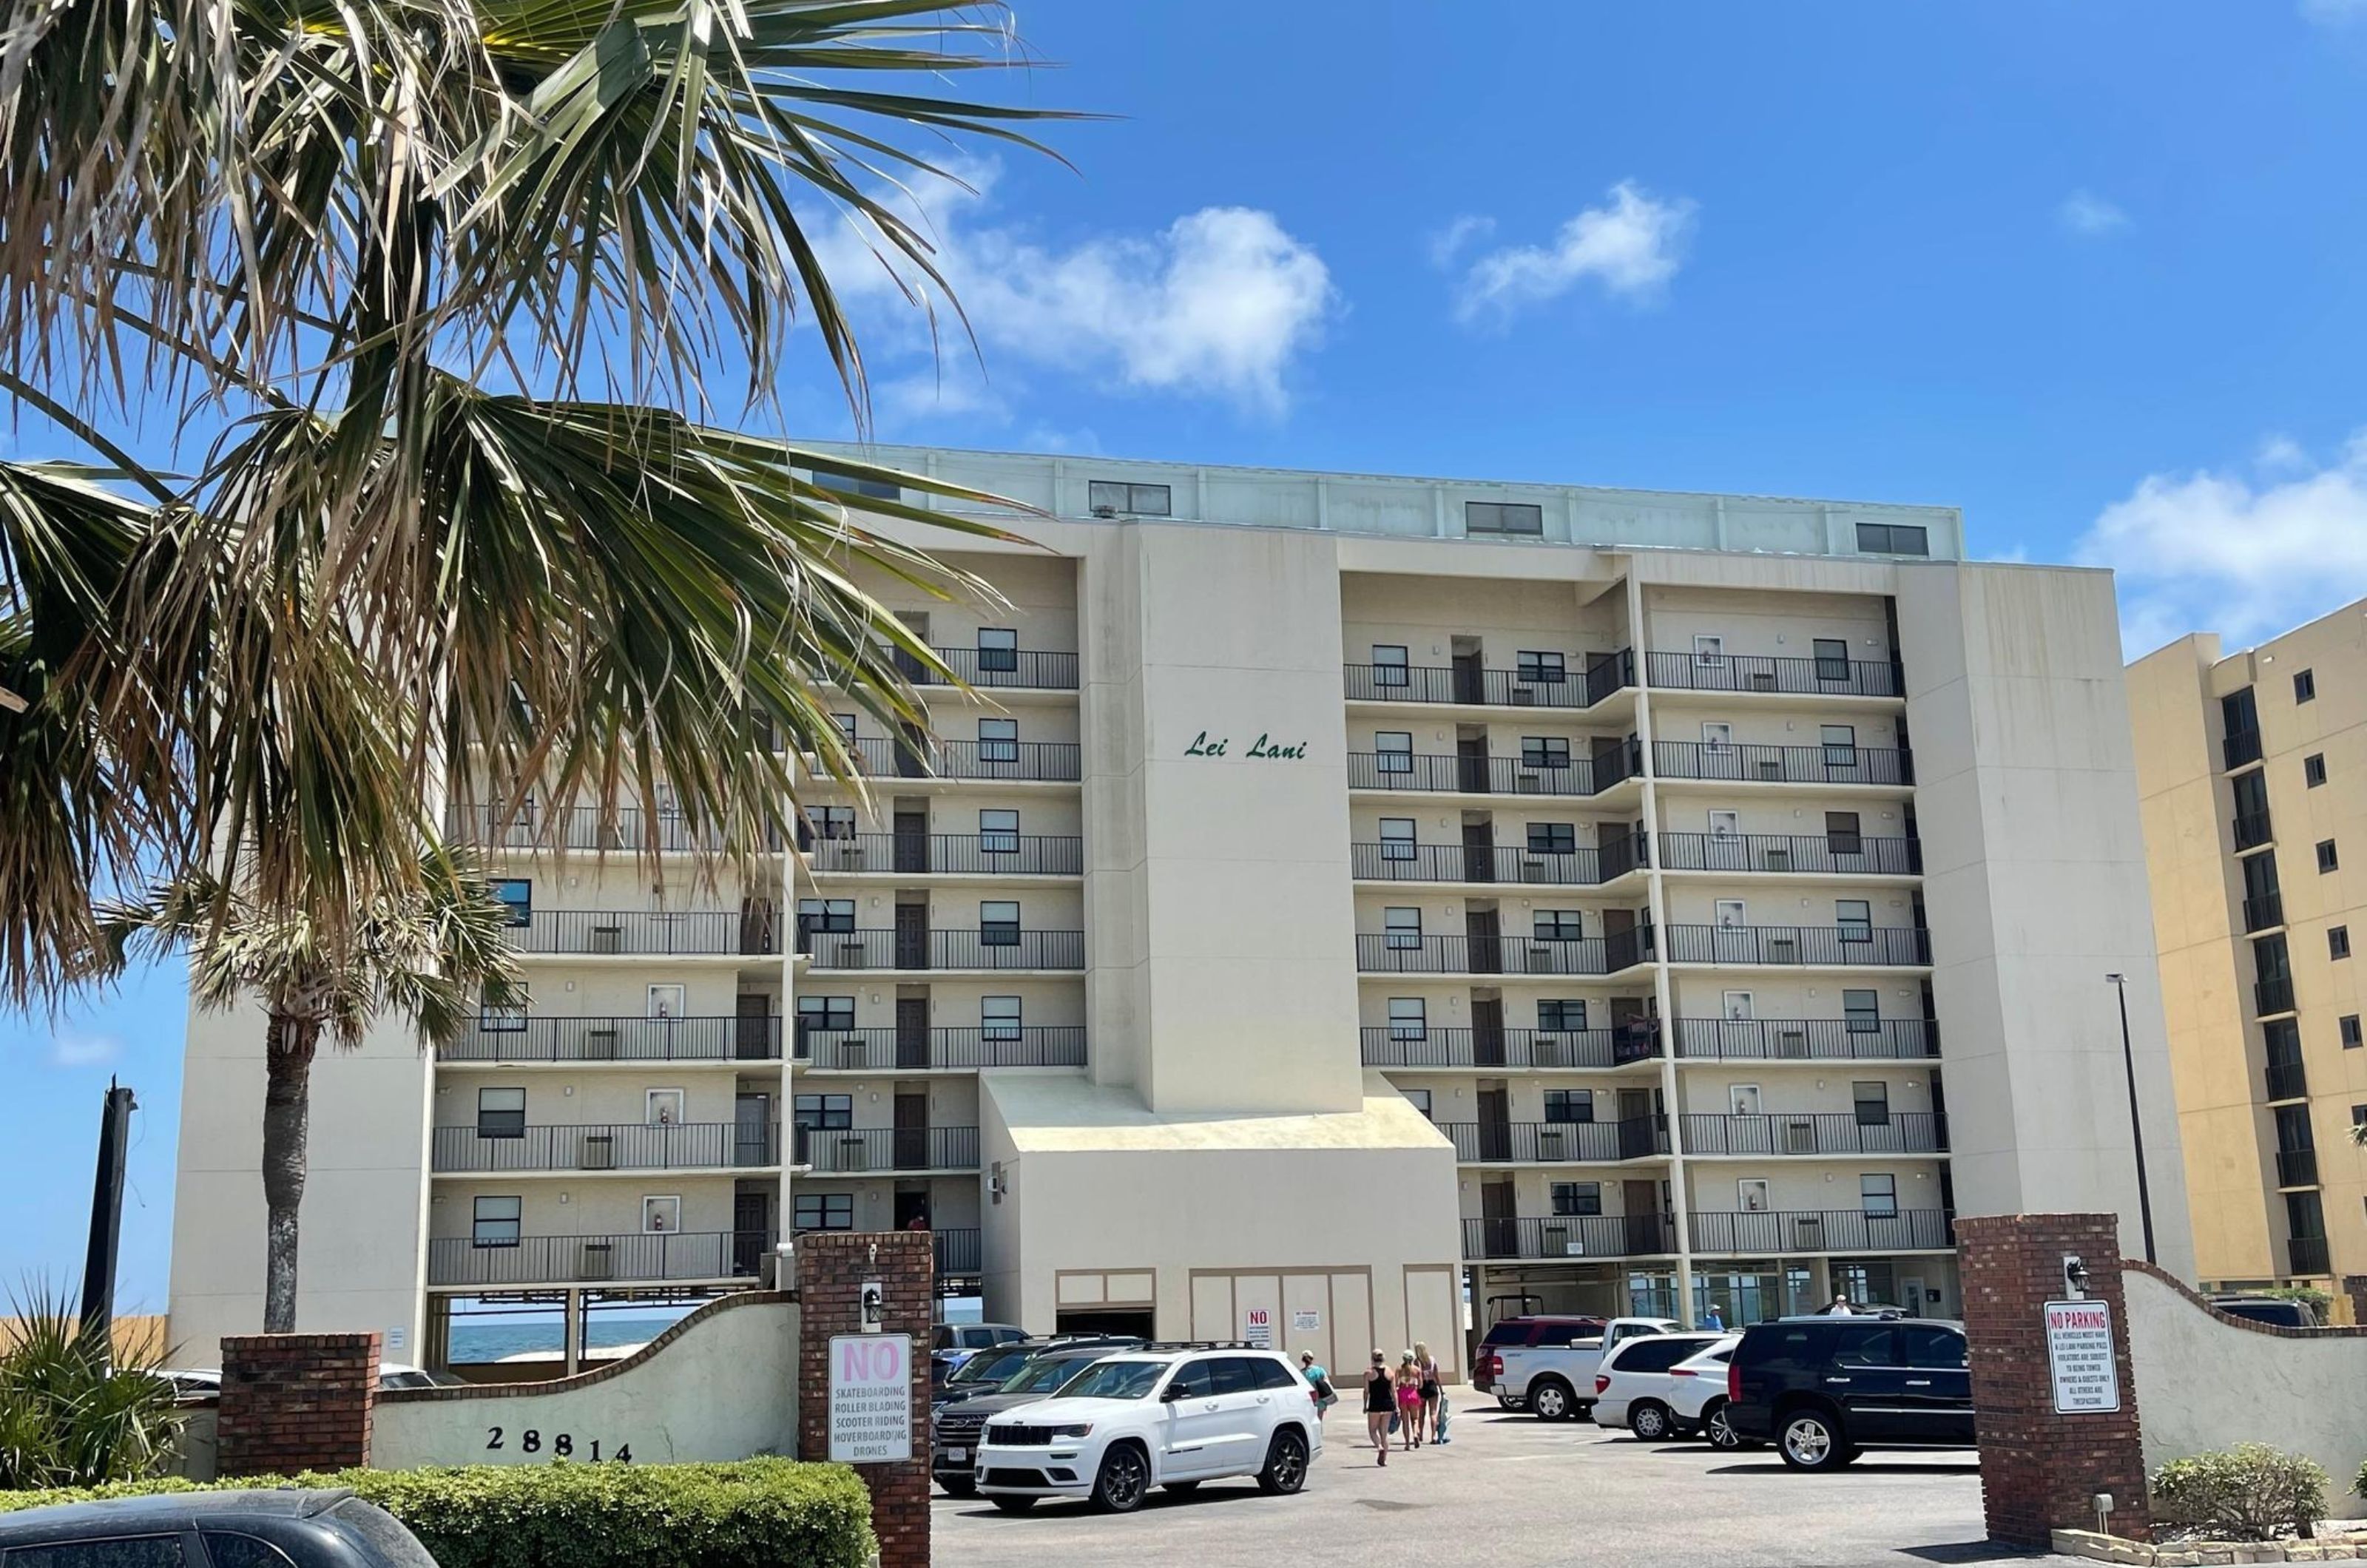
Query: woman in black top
[{"x": 1380, "y": 1403}]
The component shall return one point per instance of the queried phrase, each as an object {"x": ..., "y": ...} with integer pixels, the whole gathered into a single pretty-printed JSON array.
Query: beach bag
[
  {"x": 1442, "y": 1417},
  {"x": 1393, "y": 1422}
]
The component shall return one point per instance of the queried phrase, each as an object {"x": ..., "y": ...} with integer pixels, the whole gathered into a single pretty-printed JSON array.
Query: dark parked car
[
  {"x": 955, "y": 1428},
  {"x": 1535, "y": 1329},
  {"x": 2277, "y": 1310},
  {"x": 1823, "y": 1389},
  {"x": 290, "y": 1527},
  {"x": 987, "y": 1370}
]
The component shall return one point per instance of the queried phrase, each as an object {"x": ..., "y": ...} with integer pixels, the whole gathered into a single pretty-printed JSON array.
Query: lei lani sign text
[{"x": 1262, "y": 747}]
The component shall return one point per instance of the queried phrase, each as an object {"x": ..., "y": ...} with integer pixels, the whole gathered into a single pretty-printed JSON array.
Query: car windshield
[
  {"x": 991, "y": 1366},
  {"x": 1114, "y": 1380},
  {"x": 1037, "y": 1376}
]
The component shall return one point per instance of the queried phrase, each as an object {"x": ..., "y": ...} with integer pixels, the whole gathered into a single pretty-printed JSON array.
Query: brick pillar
[
  {"x": 2040, "y": 1471},
  {"x": 2354, "y": 1289},
  {"x": 832, "y": 1268},
  {"x": 293, "y": 1401}
]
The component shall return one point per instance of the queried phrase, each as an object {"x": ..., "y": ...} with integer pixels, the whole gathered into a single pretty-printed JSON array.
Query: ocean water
[{"x": 493, "y": 1340}]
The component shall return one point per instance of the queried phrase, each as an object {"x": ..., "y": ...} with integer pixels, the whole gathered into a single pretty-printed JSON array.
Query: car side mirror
[{"x": 1170, "y": 1394}]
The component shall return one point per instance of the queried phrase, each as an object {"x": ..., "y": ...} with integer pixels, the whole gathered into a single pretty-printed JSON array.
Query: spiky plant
[{"x": 74, "y": 1410}]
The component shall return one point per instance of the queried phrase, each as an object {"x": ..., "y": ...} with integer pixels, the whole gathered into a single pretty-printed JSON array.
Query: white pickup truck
[{"x": 1555, "y": 1382}]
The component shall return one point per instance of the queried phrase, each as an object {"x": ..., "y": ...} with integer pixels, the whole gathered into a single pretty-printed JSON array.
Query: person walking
[
  {"x": 1423, "y": 1362},
  {"x": 1716, "y": 1320},
  {"x": 1380, "y": 1403},
  {"x": 1318, "y": 1380},
  {"x": 1840, "y": 1307},
  {"x": 1408, "y": 1387}
]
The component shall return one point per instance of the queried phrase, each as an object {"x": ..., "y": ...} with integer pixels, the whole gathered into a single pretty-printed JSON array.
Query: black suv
[
  {"x": 955, "y": 1430},
  {"x": 1822, "y": 1389},
  {"x": 988, "y": 1371}
]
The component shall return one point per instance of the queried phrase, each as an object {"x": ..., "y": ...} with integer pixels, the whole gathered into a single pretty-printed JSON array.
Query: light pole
[{"x": 2136, "y": 1129}]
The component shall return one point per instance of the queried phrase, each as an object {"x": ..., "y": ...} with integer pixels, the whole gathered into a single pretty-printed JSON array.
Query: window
[
  {"x": 1936, "y": 1349},
  {"x": 1866, "y": 1348},
  {"x": 1862, "y": 1012},
  {"x": 1855, "y": 918},
  {"x": 1503, "y": 517},
  {"x": 824, "y": 1014},
  {"x": 998, "y": 741},
  {"x": 1532, "y": 668},
  {"x": 2351, "y": 1036},
  {"x": 1420, "y": 1100},
  {"x": 2327, "y": 859},
  {"x": 1389, "y": 665},
  {"x": 1893, "y": 539},
  {"x": 1553, "y": 837},
  {"x": 845, "y": 722},
  {"x": 1114, "y": 497},
  {"x": 1878, "y": 1195},
  {"x": 1840, "y": 741},
  {"x": 662, "y": 1216},
  {"x": 2359, "y": 1115},
  {"x": 1409, "y": 1018},
  {"x": 998, "y": 922},
  {"x": 1841, "y": 833},
  {"x": 998, "y": 1018},
  {"x": 1716, "y": 735},
  {"x": 1833, "y": 659},
  {"x": 1557, "y": 925},
  {"x": 2304, "y": 685},
  {"x": 998, "y": 832},
  {"x": 1709, "y": 651},
  {"x": 135, "y": 1552},
  {"x": 825, "y": 1211},
  {"x": 508, "y": 1020},
  {"x": 1545, "y": 752},
  {"x": 1562, "y": 1014},
  {"x": 517, "y": 893},
  {"x": 847, "y": 484},
  {"x": 834, "y": 821},
  {"x": 2313, "y": 769},
  {"x": 998, "y": 649},
  {"x": 1404, "y": 926},
  {"x": 826, "y": 914},
  {"x": 1393, "y": 751},
  {"x": 227, "y": 1551},
  {"x": 2338, "y": 942},
  {"x": 1396, "y": 838},
  {"x": 1567, "y": 1105},
  {"x": 1873, "y": 1102},
  {"x": 494, "y": 1222},
  {"x": 1577, "y": 1197},
  {"x": 500, "y": 1113}
]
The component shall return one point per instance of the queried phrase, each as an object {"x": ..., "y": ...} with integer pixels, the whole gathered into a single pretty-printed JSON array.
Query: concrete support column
[{"x": 571, "y": 1337}]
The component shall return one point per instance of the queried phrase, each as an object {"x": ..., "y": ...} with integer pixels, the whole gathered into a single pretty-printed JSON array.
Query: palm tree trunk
[{"x": 288, "y": 1068}]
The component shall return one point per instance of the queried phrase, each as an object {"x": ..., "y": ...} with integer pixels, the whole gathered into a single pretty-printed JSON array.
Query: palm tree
[{"x": 432, "y": 957}]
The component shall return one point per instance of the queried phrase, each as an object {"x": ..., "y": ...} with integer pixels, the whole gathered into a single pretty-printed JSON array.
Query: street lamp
[{"x": 2136, "y": 1129}]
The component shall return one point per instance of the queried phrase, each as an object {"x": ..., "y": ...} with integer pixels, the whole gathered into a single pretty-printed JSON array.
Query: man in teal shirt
[{"x": 1326, "y": 1397}]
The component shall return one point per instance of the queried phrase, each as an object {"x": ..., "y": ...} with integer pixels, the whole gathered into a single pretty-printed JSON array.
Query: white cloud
[
  {"x": 75, "y": 1050},
  {"x": 1631, "y": 245},
  {"x": 1448, "y": 242},
  {"x": 2333, "y": 13},
  {"x": 1222, "y": 303},
  {"x": 2090, "y": 215},
  {"x": 2245, "y": 557}
]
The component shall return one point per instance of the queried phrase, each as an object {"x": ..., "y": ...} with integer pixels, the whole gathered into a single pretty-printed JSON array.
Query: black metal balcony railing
[
  {"x": 2241, "y": 747},
  {"x": 1053, "y": 761},
  {"x": 645, "y": 931},
  {"x": 1817, "y": 853},
  {"x": 1807, "y": 1039},
  {"x": 619, "y": 1040},
  {"x": 1387, "y": 1045},
  {"x": 1041, "y": 669},
  {"x": 1844, "y": 945},
  {"x": 1781, "y": 765},
  {"x": 627, "y": 828},
  {"x": 2296, "y": 1168},
  {"x": 916, "y": 1050},
  {"x": 1579, "y": 775},
  {"x": 1383, "y": 953},
  {"x": 2307, "y": 1254},
  {"x": 2288, "y": 1080},
  {"x": 2272, "y": 997},
  {"x": 958, "y": 1252},
  {"x": 1570, "y": 1235},
  {"x": 585, "y": 1259},
  {"x": 863, "y": 949},
  {"x": 1584, "y": 680},
  {"x": 688, "y": 1145},
  {"x": 963, "y": 854},
  {"x": 842, "y": 1151},
  {"x": 2252, "y": 829},
  {"x": 1549, "y": 1143},
  {"x": 1816, "y": 1132},
  {"x": 1752, "y": 673},
  {"x": 1586, "y": 866},
  {"x": 2264, "y": 911},
  {"x": 1773, "y": 1231}
]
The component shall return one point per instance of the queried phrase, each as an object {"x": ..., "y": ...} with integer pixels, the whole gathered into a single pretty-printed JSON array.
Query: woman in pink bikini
[{"x": 1408, "y": 1387}]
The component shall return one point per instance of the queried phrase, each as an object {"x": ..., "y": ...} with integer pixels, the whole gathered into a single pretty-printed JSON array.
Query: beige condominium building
[
  {"x": 1334, "y": 898},
  {"x": 2253, "y": 770}
]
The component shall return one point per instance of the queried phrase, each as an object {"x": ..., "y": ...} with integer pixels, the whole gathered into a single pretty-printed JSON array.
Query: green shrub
[
  {"x": 756, "y": 1513},
  {"x": 73, "y": 1413},
  {"x": 2250, "y": 1492}
]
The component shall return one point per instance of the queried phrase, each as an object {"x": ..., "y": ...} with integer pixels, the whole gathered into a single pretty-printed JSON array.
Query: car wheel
[
  {"x": 1012, "y": 1504},
  {"x": 1551, "y": 1400},
  {"x": 1810, "y": 1439},
  {"x": 1124, "y": 1479},
  {"x": 1648, "y": 1419},
  {"x": 1720, "y": 1431},
  {"x": 959, "y": 1486},
  {"x": 1285, "y": 1463}
]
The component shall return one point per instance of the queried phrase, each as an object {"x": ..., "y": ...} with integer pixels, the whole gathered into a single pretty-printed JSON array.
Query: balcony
[
  {"x": 1583, "y": 867},
  {"x": 2241, "y": 748},
  {"x": 633, "y": 1256},
  {"x": 1822, "y": 854},
  {"x": 858, "y": 1151},
  {"x": 1555, "y": 1143},
  {"x": 1807, "y": 1039},
  {"x": 1468, "y": 685},
  {"x": 1001, "y": 668},
  {"x": 1040, "y": 761},
  {"x": 2252, "y": 829},
  {"x": 2287, "y": 1080},
  {"x": 958, "y": 1252},
  {"x": 1780, "y": 946},
  {"x": 913, "y": 1050},
  {"x": 618, "y": 1040},
  {"x": 926, "y": 949},
  {"x": 1774, "y": 1232},
  {"x": 2272, "y": 997},
  {"x": 648, "y": 933},
  {"x": 1427, "y": 773},
  {"x": 690, "y": 1145},
  {"x": 628, "y": 829},
  {"x": 1817, "y": 1133},
  {"x": 947, "y": 854},
  {"x": 2264, "y": 912},
  {"x": 1570, "y": 1235},
  {"x": 2307, "y": 1254},
  {"x": 1751, "y": 673},
  {"x": 1390, "y": 1046},
  {"x": 1385, "y": 952},
  {"x": 2296, "y": 1168},
  {"x": 1781, "y": 765}
]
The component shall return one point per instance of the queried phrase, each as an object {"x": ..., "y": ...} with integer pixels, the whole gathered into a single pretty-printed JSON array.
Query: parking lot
[{"x": 1510, "y": 1491}]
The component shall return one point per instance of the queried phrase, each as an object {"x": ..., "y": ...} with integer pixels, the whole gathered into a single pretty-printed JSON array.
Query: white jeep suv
[{"x": 1156, "y": 1417}]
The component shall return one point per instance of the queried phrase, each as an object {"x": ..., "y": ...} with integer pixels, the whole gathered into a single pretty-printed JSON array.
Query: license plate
[{"x": 957, "y": 1456}]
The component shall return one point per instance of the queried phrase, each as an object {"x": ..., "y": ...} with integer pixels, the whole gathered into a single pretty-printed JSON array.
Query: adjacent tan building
[
  {"x": 2253, "y": 768},
  {"x": 1337, "y": 898}
]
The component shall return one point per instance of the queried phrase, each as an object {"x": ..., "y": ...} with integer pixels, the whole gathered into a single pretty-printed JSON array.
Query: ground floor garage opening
[{"x": 1141, "y": 1323}]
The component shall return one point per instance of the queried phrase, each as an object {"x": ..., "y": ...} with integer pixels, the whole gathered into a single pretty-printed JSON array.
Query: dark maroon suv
[{"x": 1535, "y": 1329}]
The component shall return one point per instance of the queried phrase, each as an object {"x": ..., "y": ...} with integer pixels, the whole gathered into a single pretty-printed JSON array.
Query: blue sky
[{"x": 2089, "y": 271}]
